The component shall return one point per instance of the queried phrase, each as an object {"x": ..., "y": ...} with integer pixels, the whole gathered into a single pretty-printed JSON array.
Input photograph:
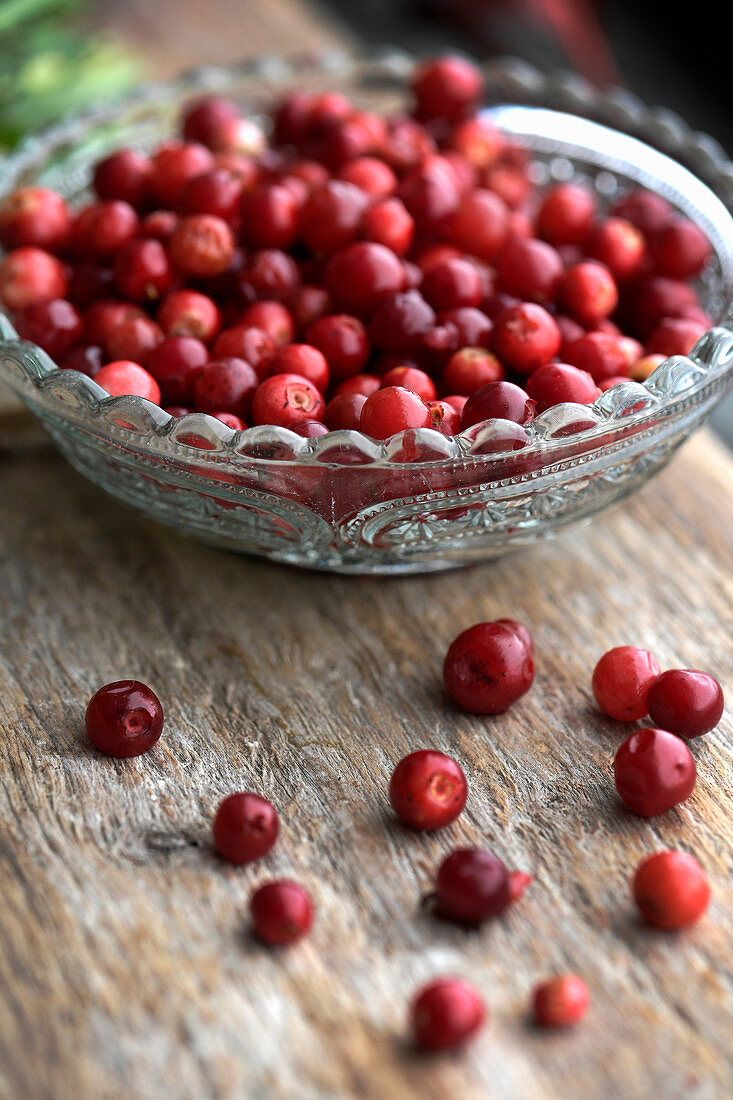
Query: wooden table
[{"x": 126, "y": 966}]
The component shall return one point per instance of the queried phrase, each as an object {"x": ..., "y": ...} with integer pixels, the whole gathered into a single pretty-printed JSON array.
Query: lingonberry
[
  {"x": 142, "y": 271},
  {"x": 282, "y": 912},
  {"x": 498, "y": 400},
  {"x": 471, "y": 326},
  {"x": 370, "y": 175},
  {"x": 477, "y": 140},
  {"x": 646, "y": 210},
  {"x": 410, "y": 378},
  {"x": 619, "y": 245},
  {"x": 122, "y": 378},
  {"x": 344, "y": 342},
  {"x": 302, "y": 359},
  {"x": 445, "y": 417},
  {"x": 269, "y": 216},
  {"x": 399, "y": 322},
  {"x": 566, "y": 214},
  {"x": 675, "y": 336},
  {"x": 134, "y": 339},
  {"x": 54, "y": 324},
  {"x": 175, "y": 363},
  {"x": 680, "y": 249},
  {"x": 452, "y": 283},
  {"x": 471, "y": 886},
  {"x": 172, "y": 165},
  {"x": 158, "y": 225},
  {"x": 487, "y": 668},
  {"x": 103, "y": 228},
  {"x": 430, "y": 196},
  {"x": 480, "y": 224},
  {"x": 671, "y": 890},
  {"x": 588, "y": 292},
  {"x": 362, "y": 275},
  {"x": 405, "y": 144},
  {"x": 87, "y": 359},
  {"x": 30, "y": 274},
  {"x": 644, "y": 367},
  {"x": 446, "y": 88},
  {"x": 249, "y": 343},
  {"x": 521, "y": 632},
  {"x": 525, "y": 337},
  {"x": 90, "y": 281},
  {"x": 307, "y": 304},
  {"x": 560, "y": 1002},
  {"x": 599, "y": 354},
  {"x": 621, "y": 681},
  {"x": 202, "y": 245},
  {"x": 273, "y": 318},
  {"x": 428, "y": 789},
  {"x": 686, "y": 702},
  {"x": 270, "y": 274},
  {"x": 470, "y": 370},
  {"x": 125, "y": 175},
  {"x": 283, "y": 399},
  {"x": 189, "y": 313},
  {"x": 651, "y": 300},
  {"x": 343, "y": 412},
  {"x": 124, "y": 718},
  {"x": 556, "y": 383},
  {"x": 102, "y": 318},
  {"x": 203, "y": 117},
  {"x": 245, "y": 827},
  {"x": 445, "y": 1014},
  {"x": 228, "y": 384},
  {"x": 391, "y": 410},
  {"x": 365, "y": 384},
  {"x": 218, "y": 192},
  {"x": 331, "y": 216},
  {"x": 653, "y": 771},
  {"x": 34, "y": 216},
  {"x": 530, "y": 270}
]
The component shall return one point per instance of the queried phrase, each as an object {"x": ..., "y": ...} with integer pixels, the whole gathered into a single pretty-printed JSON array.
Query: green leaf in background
[{"x": 50, "y": 67}]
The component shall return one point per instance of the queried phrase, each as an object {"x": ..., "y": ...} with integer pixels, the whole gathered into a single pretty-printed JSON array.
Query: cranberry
[
  {"x": 125, "y": 175},
  {"x": 218, "y": 192},
  {"x": 29, "y": 275},
  {"x": 142, "y": 271},
  {"x": 410, "y": 378},
  {"x": 529, "y": 270},
  {"x": 283, "y": 399},
  {"x": 600, "y": 354},
  {"x": 90, "y": 281},
  {"x": 87, "y": 360},
  {"x": 189, "y": 313},
  {"x": 310, "y": 429},
  {"x": 55, "y": 325},
  {"x": 370, "y": 175},
  {"x": 134, "y": 339},
  {"x": 405, "y": 144},
  {"x": 487, "y": 668},
  {"x": 365, "y": 384},
  {"x": 430, "y": 195},
  {"x": 646, "y": 210},
  {"x": 203, "y": 118},
  {"x": 621, "y": 681},
  {"x": 480, "y": 224},
  {"x": 202, "y": 245},
  {"x": 343, "y": 412},
  {"x": 472, "y": 327},
  {"x": 172, "y": 165},
  {"x": 245, "y": 827},
  {"x": 452, "y": 283},
  {"x": 273, "y": 318},
  {"x": 556, "y": 383},
  {"x": 657, "y": 298},
  {"x": 307, "y": 304},
  {"x": 654, "y": 771},
  {"x": 331, "y": 216},
  {"x": 362, "y": 275},
  {"x": 269, "y": 216},
  {"x": 588, "y": 292},
  {"x": 270, "y": 274},
  {"x": 680, "y": 250},
  {"x": 471, "y": 886},
  {"x": 400, "y": 321},
  {"x": 124, "y": 719},
  {"x": 34, "y": 216},
  {"x": 525, "y": 337},
  {"x": 671, "y": 890},
  {"x": 445, "y": 1014},
  {"x": 227, "y": 384},
  {"x": 566, "y": 214},
  {"x": 249, "y": 343},
  {"x": 175, "y": 364},
  {"x": 445, "y": 417},
  {"x": 471, "y": 369},
  {"x": 343, "y": 341},
  {"x": 619, "y": 245},
  {"x": 477, "y": 140},
  {"x": 102, "y": 318},
  {"x": 560, "y": 1002},
  {"x": 427, "y": 790},
  {"x": 675, "y": 336},
  {"x": 644, "y": 367},
  {"x": 104, "y": 227},
  {"x": 291, "y": 118},
  {"x": 391, "y": 410},
  {"x": 282, "y": 912},
  {"x": 158, "y": 225},
  {"x": 446, "y": 87},
  {"x": 499, "y": 400},
  {"x": 122, "y": 378},
  {"x": 686, "y": 702},
  {"x": 458, "y": 401},
  {"x": 304, "y": 360},
  {"x": 520, "y": 631}
]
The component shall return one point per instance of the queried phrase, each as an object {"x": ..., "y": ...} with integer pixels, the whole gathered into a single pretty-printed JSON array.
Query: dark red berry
[
  {"x": 445, "y": 1014},
  {"x": 34, "y": 216},
  {"x": 525, "y": 337},
  {"x": 480, "y": 224},
  {"x": 331, "y": 216},
  {"x": 269, "y": 216},
  {"x": 621, "y": 682},
  {"x": 427, "y": 790},
  {"x": 175, "y": 363},
  {"x": 529, "y": 270},
  {"x": 124, "y": 718},
  {"x": 566, "y": 214},
  {"x": 245, "y": 827},
  {"x": 498, "y": 400},
  {"x": 680, "y": 250},
  {"x": 343, "y": 341},
  {"x": 392, "y": 410},
  {"x": 487, "y": 668},
  {"x": 54, "y": 324},
  {"x": 29, "y": 275},
  {"x": 686, "y": 702},
  {"x": 400, "y": 322},
  {"x": 671, "y": 889},
  {"x": 654, "y": 771},
  {"x": 226, "y": 384},
  {"x": 556, "y": 383},
  {"x": 282, "y": 913},
  {"x": 343, "y": 412},
  {"x": 283, "y": 399},
  {"x": 249, "y": 343},
  {"x": 362, "y": 275},
  {"x": 142, "y": 271},
  {"x": 587, "y": 291},
  {"x": 125, "y": 175},
  {"x": 471, "y": 886},
  {"x": 202, "y": 245},
  {"x": 446, "y": 87},
  {"x": 103, "y": 228},
  {"x": 172, "y": 165},
  {"x": 470, "y": 370}
]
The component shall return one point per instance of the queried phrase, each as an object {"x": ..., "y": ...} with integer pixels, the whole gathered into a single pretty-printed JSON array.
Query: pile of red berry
[
  {"x": 487, "y": 668},
  {"x": 351, "y": 270}
]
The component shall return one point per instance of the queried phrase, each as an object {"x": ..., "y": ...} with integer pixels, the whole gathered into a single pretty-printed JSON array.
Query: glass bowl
[{"x": 420, "y": 501}]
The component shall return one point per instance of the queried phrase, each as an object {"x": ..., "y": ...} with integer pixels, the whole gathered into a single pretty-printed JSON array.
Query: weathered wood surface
[{"x": 126, "y": 968}]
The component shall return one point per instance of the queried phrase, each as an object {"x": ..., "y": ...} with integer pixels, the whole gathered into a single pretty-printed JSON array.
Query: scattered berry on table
[
  {"x": 471, "y": 886},
  {"x": 445, "y": 1014},
  {"x": 560, "y": 1002},
  {"x": 282, "y": 912},
  {"x": 245, "y": 827},
  {"x": 488, "y": 667},
  {"x": 653, "y": 771},
  {"x": 671, "y": 889},
  {"x": 124, "y": 718},
  {"x": 428, "y": 789},
  {"x": 621, "y": 682},
  {"x": 686, "y": 701}
]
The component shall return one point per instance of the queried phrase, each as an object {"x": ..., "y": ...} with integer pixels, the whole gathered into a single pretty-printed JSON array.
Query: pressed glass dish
[{"x": 420, "y": 501}]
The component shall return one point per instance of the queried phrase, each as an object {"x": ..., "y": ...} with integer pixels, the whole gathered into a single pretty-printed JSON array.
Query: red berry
[
  {"x": 472, "y": 885},
  {"x": 142, "y": 271},
  {"x": 343, "y": 412},
  {"x": 104, "y": 227},
  {"x": 566, "y": 214},
  {"x": 365, "y": 384},
  {"x": 686, "y": 702},
  {"x": 599, "y": 354},
  {"x": 175, "y": 364},
  {"x": 646, "y": 210},
  {"x": 269, "y": 216},
  {"x": 125, "y": 175},
  {"x": 427, "y": 790},
  {"x": 202, "y": 118},
  {"x": 671, "y": 889},
  {"x": 218, "y": 192},
  {"x": 202, "y": 245},
  {"x": 331, "y": 216},
  {"x": 400, "y": 322},
  {"x": 102, "y": 318},
  {"x": 283, "y": 399},
  {"x": 430, "y": 195},
  {"x": 652, "y": 300},
  {"x": 410, "y": 378},
  {"x": 619, "y": 245},
  {"x": 227, "y": 384},
  {"x": 675, "y": 336},
  {"x": 445, "y": 1014},
  {"x": 88, "y": 360},
  {"x": 445, "y": 417},
  {"x": 529, "y": 270},
  {"x": 446, "y": 87},
  {"x": 172, "y": 165},
  {"x": 134, "y": 340},
  {"x": 560, "y": 1001},
  {"x": 499, "y": 400},
  {"x": 487, "y": 668},
  {"x": 282, "y": 913},
  {"x": 302, "y": 359},
  {"x": 470, "y": 327},
  {"x": 189, "y": 313},
  {"x": 370, "y": 175},
  {"x": 362, "y": 275},
  {"x": 621, "y": 681},
  {"x": 124, "y": 718},
  {"x": 307, "y": 304},
  {"x": 249, "y": 343},
  {"x": 478, "y": 140},
  {"x": 234, "y": 422},
  {"x": 310, "y": 429},
  {"x": 680, "y": 250},
  {"x": 270, "y": 274},
  {"x": 273, "y": 318},
  {"x": 123, "y": 378},
  {"x": 343, "y": 341},
  {"x": 556, "y": 383},
  {"x": 245, "y": 827},
  {"x": 470, "y": 370},
  {"x": 55, "y": 325},
  {"x": 29, "y": 275},
  {"x": 521, "y": 632},
  {"x": 518, "y": 883},
  {"x": 588, "y": 292},
  {"x": 452, "y": 283},
  {"x": 654, "y": 771},
  {"x": 392, "y": 410},
  {"x": 480, "y": 224},
  {"x": 34, "y": 216},
  {"x": 525, "y": 337}
]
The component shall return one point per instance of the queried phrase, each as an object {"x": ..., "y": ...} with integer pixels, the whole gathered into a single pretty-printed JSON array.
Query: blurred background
[{"x": 59, "y": 55}]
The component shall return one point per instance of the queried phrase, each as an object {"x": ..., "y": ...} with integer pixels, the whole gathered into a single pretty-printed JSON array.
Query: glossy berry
[
  {"x": 675, "y": 336},
  {"x": 560, "y": 1002},
  {"x": 273, "y": 318},
  {"x": 103, "y": 228},
  {"x": 400, "y": 322},
  {"x": 471, "y": 886},
  {"x": 134, "y": 339},
  {"x": 302, "y": 359},
  {"x": 87, "y": 359},
  {"x": 521, "y": 632},
  {"x": 487, "y": 668},
  {"x": 55, "y": 325},
  {"x": 29, "y": 275},
  {"x": 480, "y": 224},
  {"x": 189, "y": 313},
  {"x": 686, "y": 702},
  {"x": 391, "y": 410},
  {"x": 331, "y": 216},
  {"x": 530, "y": 270},
  {"x": 619, "y": 245},
  {"x": 445, "y": 417},
  {"x": 599, "y": 354},
  {"x": 172, "y": 165},
  {"x": 587, "y": 291},
  {"x": 343, "y": 341},
  {"x": 249, "y": 343},
  {"x": 445, "y": 1014},
  {"x": 125, "y": 175},
  {"x": 566, "y": 214},
  {"x": 125, "y": 378},
  {"x": 282, "y": 913},
  {"x": 470, "y": 370},
  {"x": 671, "y": 890},
  {"x": 245, "y": 827},
  {"x": 387, "y": 222},
  {"x": 410, "y": 378},
  {"x": 680, "y": 250},
  {"x": 225, "y": 384},
  {"x": 343, "y": 412},
  {"x": 427, "y": 790},
  {"x": 270, "y": 274},
  {"x": 142, "y": 271},
  {"x": 175, "y": 363},
  {"x": 34, "y": 216},
  {"x": 124, "y": 718},
  {"x": 451, "y": 283},
  {"x": 283, "y": 399},
  {"x": 362, "y": 275},
  {"x": 202, "y": 245},
  {"x": 654, "y": 771},
  {"x": 446, "y": 88},
  {"x": 525, "y": 337},
  {"x": 621, "y": 681},
  {"x": 499, "y": 400},
  {"x": 310, "y": 429}
]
